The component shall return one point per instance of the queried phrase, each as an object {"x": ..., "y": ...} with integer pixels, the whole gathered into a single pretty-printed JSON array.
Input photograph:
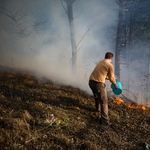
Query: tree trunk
[
  {"x": 72, "y": 36},
  {"x": 118, "y": 41},
  {"x": 147, "y": 79},
  {"x": 130, "y": 45}
]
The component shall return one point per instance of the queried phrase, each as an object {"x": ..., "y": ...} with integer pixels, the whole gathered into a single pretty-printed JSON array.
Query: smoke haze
[{"x": 47, "y": 49}]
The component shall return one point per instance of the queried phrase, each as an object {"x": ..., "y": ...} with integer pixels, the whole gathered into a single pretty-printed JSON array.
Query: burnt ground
[{"x": 26, "y": 107}]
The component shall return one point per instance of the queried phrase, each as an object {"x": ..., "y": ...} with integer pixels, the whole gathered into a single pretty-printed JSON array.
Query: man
[{"x": 103, "y": 70}]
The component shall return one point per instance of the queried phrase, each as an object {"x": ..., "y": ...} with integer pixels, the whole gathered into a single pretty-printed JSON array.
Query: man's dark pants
[{"x": 101, "y": 100}]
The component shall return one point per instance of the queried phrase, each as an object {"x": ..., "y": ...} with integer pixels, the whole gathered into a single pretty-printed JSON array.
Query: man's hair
[{"x": 108, "y": 55}]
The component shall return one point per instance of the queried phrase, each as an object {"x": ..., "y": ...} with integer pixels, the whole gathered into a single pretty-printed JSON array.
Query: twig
[
  {"x": 77, "y": 15},
  {"x": 145, "y": 128},
  {"x": 44, "y": 127},
  {"x": 11, "y": 111},
  {"x": 91, "y": 59},
  {"x": 17, "y": 145},
  {"x": 31, "y": 140},
  {"x": 83, "y": 37}
]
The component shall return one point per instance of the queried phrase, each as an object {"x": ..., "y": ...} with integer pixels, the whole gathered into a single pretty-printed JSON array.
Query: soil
[{"x": 37, "y": 114}]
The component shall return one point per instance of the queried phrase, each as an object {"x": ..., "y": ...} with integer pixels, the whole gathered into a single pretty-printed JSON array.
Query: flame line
[{"x": 119, "y": 101}]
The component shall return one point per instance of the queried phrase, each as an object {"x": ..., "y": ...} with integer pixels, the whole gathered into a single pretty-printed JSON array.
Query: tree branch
[
  {"x": 69, "y": 2},
  {"x": 64, "y": 7},
  {"x": 10, "y": 15},
  {"x": 73, "y": 1},
  {"x": 95, "y": 62},
  {"x": 83, "y": 37},
  {"x": 77, "y": 15},
  {"x": 17, "y": 12},
  {"x": 21, "y": 17}
]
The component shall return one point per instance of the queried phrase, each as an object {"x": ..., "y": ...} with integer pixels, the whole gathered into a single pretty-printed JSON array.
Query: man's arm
[
  {"x": 111, "y": 77},
  {"x": 116, "y": 85}
]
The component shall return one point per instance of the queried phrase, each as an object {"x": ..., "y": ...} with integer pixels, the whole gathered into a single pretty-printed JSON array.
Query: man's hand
[{"x": 116, "y": 85}]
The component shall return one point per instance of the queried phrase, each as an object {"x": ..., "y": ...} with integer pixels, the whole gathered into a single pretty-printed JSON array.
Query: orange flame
[{"x": 119, "y": 101}]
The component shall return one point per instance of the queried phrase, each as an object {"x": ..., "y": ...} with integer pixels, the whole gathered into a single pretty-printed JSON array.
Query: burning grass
[
  {"x": 44, "y": 116},
  {"x": 119, "y": 101}
]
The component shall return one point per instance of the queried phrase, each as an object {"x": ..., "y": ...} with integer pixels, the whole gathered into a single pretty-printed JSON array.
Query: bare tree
[
  {"x": 69, "y": 11},
  {"x": 17, "y": 21}
]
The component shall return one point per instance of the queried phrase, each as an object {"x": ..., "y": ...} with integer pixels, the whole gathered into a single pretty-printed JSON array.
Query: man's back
[{"x": 102, "y": 71}]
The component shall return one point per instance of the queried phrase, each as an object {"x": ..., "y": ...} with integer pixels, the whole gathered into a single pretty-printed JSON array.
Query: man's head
[{"x": 109, "y": 56}]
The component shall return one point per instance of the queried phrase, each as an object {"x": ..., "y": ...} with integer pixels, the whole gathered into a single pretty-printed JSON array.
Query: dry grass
[{"x": 27, "y": 105}]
